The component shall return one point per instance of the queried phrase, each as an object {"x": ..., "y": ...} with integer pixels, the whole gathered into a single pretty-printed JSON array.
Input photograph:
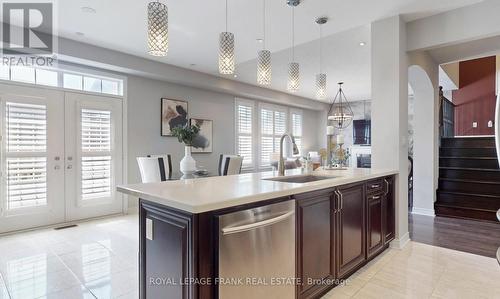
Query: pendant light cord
[
  {"x": 226, "y": 15},
  {"x": 264, "y": 24},
  {"x": 320, "y": 49},
  {"x": 293, "y": 34}
]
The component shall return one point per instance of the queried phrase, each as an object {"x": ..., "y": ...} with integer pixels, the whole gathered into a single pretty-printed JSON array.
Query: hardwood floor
[{"x": 482, "y": 238}]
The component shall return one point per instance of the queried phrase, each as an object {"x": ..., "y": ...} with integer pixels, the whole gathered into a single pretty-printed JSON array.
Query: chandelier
[
  {"x": 340, "y": 113},
  {"x": 157, "y": 29}
]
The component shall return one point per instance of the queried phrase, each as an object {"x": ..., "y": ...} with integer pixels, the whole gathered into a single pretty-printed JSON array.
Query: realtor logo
[{"x": 28, "y": 29}]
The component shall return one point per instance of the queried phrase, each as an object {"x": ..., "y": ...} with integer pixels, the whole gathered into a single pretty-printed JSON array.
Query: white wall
[
  {"x": 390, "y": 111},
  {"x": 144, "y": 123}
]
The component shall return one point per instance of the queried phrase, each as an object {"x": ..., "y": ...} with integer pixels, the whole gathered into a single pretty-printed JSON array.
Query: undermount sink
[{"x": 300, "y": 179}]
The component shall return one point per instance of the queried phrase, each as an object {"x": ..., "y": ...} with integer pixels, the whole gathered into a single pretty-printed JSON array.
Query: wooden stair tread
[
  {"x": 469, "y": 157},
  {"x": 469, "y": 169},
  {"x": 468, "y": 194},
  {"x": 463, "y": 207},
  {"x": 470, "y": 181}
]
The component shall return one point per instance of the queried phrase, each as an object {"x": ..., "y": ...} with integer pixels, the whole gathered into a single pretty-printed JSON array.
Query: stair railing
[{"x": 446, "y": 116}]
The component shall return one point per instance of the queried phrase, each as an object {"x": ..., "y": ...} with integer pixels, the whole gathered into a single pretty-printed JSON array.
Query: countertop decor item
[
  {"x": 340, "y": 113},
  {"x": 186, "y": 134}
]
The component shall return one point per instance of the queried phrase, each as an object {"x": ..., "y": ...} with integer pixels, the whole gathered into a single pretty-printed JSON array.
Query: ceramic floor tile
[
  {"x": 4, "y": 294},
  {"x": 41, "y": 284},
  {"x": 114, "y": 286},
  {"x": 76, "y": 292}
]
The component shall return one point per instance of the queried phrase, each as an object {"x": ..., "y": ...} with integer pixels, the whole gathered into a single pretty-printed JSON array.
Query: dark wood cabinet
[
  {"x": 375, "y": 232},
  {"x": 389, "y": 208},
  {"x": 350, "y": 229},
  {"x": 315, "y": 256},
  {"x": 337, "y": 230}
]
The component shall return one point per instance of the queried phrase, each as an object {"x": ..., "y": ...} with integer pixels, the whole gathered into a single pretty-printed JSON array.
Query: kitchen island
[{"x": 340, "y": 220}]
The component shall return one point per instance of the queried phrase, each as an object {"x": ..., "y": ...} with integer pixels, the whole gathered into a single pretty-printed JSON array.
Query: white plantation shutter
[
  {"x": 96, "y": 174},
  {"x": 244, "y": 133},
  {"x": 297, "y": 129},
  {"x": 25, "y": 151},
  {"x": 273, "y": 124}
]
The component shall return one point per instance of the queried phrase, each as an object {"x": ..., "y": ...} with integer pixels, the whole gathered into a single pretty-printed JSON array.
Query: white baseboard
[
  {"x": 425, "y": 212},
  {"x": 401, "y": 242}
]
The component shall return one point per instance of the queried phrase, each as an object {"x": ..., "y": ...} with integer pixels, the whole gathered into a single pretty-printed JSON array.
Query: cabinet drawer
[{"x": 374, "y": 186}]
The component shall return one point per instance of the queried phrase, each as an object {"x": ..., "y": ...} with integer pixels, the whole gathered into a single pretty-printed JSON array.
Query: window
[
  {"x": 77, "y": 81},
  {"x": 26, "y": 144},
  {"x": 96, "y": 153},
  {"x": 273, "y": 123},
  {"x": 297, "y": 128},
  {"x": 72, "y": 81},
  {"x": 22, "y": 74},
  {"x": 244, "y": 133},
  {"x": 45, "y": 77}
]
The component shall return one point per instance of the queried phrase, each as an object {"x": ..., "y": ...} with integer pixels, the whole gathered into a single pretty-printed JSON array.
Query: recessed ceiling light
[
  {"x": 259, "y": 40},
  {"x": 80, "y": 33},
  {"x": 362, "y": 44},
  {"x": 236, "y": 76},
  {"x": 88, "y": 9}
]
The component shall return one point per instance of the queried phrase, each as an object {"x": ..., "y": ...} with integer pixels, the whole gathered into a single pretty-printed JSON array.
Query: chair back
[
  {"x": 155, "y": 168},
  {"x": 230, "y": 164}
]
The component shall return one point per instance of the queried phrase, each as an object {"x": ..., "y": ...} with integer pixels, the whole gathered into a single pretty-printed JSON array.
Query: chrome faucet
[{"x": 281, "y": 164}]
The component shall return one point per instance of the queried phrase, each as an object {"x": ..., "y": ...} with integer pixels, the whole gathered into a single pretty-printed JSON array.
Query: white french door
[
  {"x": 61, "y": 156},
  {"x": 93, "y": 155}
]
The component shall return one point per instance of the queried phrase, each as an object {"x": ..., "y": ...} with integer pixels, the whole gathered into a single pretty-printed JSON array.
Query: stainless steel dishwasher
[{"x": 257, "y": 253}]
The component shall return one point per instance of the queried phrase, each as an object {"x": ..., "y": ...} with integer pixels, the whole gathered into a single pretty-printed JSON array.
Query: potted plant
[{"x": 186, "y": 134}]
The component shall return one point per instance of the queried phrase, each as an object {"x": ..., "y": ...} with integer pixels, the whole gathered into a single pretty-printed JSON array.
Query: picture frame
[
  {"x": 204, "y": 140},
  {"x": 173, "y": 113}
]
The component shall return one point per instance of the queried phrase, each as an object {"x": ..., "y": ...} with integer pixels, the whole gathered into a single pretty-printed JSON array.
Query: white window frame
[
  {"x": 274, "y": 108},
  {"x": 244, "y": 102}
]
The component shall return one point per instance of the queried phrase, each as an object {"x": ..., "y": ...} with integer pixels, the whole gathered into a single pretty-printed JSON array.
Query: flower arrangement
[{"x": 186, "y": 134}]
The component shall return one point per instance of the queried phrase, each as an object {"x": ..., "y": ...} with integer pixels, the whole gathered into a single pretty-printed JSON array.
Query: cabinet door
[
  {"x": 315, "y": 259},
  {"x": 389, "y": 203},
  {"x": 351, "y": 229},
  {"x": 165, "y": 246},
  {"x": 375, "y": 233}
]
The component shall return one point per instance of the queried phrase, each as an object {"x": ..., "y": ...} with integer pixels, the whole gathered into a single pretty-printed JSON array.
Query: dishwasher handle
[{"x": 251, "y": 226}]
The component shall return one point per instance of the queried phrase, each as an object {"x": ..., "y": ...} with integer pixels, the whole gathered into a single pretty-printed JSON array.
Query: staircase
[{"x": 469, "y": 179}]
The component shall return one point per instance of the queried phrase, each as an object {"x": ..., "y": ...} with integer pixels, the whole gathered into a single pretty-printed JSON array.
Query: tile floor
[{"x": 98, "y": 259}]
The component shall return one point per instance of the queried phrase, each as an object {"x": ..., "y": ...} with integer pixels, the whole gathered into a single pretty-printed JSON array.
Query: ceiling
[{"x": 194, "y": 26}]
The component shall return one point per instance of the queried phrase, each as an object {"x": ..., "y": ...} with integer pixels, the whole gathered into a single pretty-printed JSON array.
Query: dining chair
[
  {"x": 230, "y": 164},
  {"x": 155, "y": 168}
]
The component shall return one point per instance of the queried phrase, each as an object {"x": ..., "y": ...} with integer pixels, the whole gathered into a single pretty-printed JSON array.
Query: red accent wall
[{"x": 475, "y": 98}]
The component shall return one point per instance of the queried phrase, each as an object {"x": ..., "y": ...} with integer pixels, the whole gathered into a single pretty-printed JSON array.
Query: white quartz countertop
[{"x": 213, "y": 193}]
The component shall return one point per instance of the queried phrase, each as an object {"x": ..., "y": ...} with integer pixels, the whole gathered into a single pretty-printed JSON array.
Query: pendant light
[
  {"x": 264, "y": 56},
  {"x": 321, "y": 77},
  {"x": 293, "y": 67},
  {"x": 226, "y": 51},
  {"x": 340, "y": 112},
  {"x": 157, "y": 29}
]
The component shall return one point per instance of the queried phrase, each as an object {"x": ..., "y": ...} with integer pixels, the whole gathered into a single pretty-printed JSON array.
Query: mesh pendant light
[
  {"x": 293, "y": 67},
  {"x": 321, "y": 86},
  {"x": 264, "y": 67},
  {"x": 321, "y": 77},
  {"x": 264, "y": 72},
  {"x": 226, "y": 51},
  {"x": 157, "y": 29}
]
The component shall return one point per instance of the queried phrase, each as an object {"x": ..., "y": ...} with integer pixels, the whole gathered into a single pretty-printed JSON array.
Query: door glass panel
[
  {"x": 96, "y": 154},
  {"x": 26, "y": 130}
]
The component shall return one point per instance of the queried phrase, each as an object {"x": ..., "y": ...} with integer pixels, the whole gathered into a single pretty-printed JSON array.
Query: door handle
[
  {"x": 375, "y": 197},
  {"x": 341, "y": 200},
  {"x": 386, "y": 186},
  {"x": 251, "y": 226}
]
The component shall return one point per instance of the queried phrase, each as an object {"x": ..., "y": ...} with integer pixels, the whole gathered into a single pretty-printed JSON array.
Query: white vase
[{"x": 188, "y": 164}]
